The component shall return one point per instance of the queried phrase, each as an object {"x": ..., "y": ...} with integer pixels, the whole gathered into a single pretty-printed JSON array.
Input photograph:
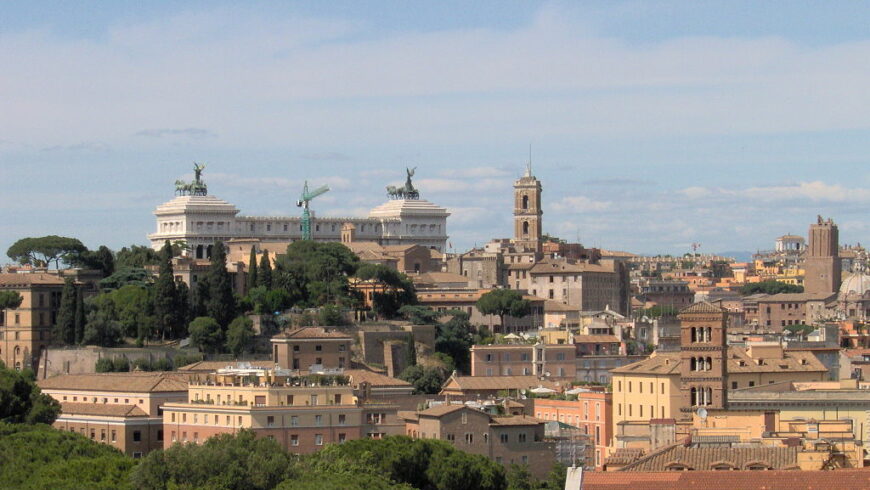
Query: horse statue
[
  {"x": 395, "y": 192},
  {"x": 181, "y": 187}
]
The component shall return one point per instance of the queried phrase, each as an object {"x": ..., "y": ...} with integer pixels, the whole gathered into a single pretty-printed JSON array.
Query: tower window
[
  {"x": 525, "y": 227},
  {"x": 525, "y": 202}
]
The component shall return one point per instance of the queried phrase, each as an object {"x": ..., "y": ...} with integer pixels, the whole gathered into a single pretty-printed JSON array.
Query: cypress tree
[
  {"x": 411, "y": 359},
  {"x": 182, "y": 308},
  {"x": 199, "y": 298},
  {"x": 265, "y": 278},
  {"x": 65, "y": 328},
  {"x": 79, "y": 318},
  {"x": 252, "y": 279},
  {"x": 165, "y": 298},
  {"x": 221, "y": 303}
]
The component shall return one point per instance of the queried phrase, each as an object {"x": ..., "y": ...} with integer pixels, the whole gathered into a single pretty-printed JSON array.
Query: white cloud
[{"x": 580, "y": 204}]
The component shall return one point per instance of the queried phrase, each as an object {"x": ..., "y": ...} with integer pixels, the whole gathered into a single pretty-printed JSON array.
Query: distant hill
[{"x": 739, "y": 256}]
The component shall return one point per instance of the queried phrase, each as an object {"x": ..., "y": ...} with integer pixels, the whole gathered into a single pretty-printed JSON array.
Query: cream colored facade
[{"x": 25, "y": 331}]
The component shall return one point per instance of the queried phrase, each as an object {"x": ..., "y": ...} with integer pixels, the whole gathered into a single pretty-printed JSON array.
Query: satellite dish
[{"x": 702, "y": 413}]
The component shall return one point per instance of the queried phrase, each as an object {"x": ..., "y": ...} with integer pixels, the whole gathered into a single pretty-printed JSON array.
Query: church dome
[{"x": 856, "y": 283}]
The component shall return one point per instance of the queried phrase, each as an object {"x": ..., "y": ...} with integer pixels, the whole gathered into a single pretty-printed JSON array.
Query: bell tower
[
  {"x": 703, "y": 358},
  {"x": 822, "y": 267},
  {"x": 527, "y": 211}
]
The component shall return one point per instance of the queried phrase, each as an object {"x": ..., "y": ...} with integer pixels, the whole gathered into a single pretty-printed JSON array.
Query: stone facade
[{"x": 25, "y": 332}]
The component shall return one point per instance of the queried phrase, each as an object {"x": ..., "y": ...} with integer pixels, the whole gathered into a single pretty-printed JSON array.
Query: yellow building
[{"x": 26, "y": 330}]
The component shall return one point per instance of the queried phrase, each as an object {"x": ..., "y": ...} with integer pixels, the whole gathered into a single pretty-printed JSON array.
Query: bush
[{"x": 104, "y": 365}]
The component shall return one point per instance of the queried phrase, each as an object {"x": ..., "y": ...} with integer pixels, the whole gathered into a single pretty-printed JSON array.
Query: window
[
  {"x": 522, "y": 437},
  {"x": 270, "y": 421},
  {"x": 159, "y": 435},
  {"x": 342, "y": 418},
  {"x": 318, "y": 439},
  {"x": 294, "y": 440},
  {"x": 342, "y": 437},
  {"x": 503, "y": 438},
  {"x": 137, "y": 436},
  {"x": 318, "y": 347},
  {"x": 115, "y": 436},
  {"x": 137, "y": 455},
  {"x": 469, "y": 438},
  {"x": 318, "y": 420},
  {"x": 294, "y": 420}
]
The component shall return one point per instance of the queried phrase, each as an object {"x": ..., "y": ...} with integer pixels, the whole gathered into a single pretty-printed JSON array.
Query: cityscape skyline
[{"x": 648, "y": 122}]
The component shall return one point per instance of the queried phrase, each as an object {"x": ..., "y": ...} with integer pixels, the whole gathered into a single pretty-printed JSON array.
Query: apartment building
[
  {"x": 123, "y": 410},
  {"x": 307, "y": 347},
  {"x": 591, "y": 412},
  {"x": 26, "y": 331},
  {"x": 302, "y": 412},
  {"x": 516, "y": 439}
]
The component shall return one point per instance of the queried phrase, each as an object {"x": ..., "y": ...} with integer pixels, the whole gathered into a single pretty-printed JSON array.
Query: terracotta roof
[
  {"x": 658, "y": 364},
  {"x": 585, "y": 339},
  {"x": 439, "y": 277},
  {"x": 624, "y": 456},
  {"x": 705, "y": 458},
  {"x": 440, "y": 410},
  {"x": 206, "y": 366},
  {"x": 498, "y": 383},
  {"x": 102, "y": 409},
  {"x": 312, "y": 333},
  {"x": 845, "y": 479},
  {"x": 374, "y": 379},
  {"x": 407, "y": 415},
  {"x": 515, "y": 420},
  {"x": 29, "y": 279},
  {"x": 796, "y": 297},
  {"x": 121, "y": 382},
  {"x": 558, "y": 306},
  {"x": 703, "y": 307},
  {"x": 560, "y": 266}
]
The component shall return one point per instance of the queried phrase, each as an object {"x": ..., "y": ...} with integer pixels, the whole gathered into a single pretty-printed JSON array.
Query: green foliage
[
  {"x": 206, "y": 334},
  {"x": 182, "y": 360},
  {"x": 398, "y": 290},
  {"x": 136, "y": 257},
  {"x": 453, "y": 338},
  {"x": 42, "y": 251},
  {"x": 265, "y": 301},
  {"x": 65, "y": 326},
  {"x": 419, "y": 315},
  {"x": 770, "y": 287},
  {"x": 104, "y": 365},
  {"x": 121, "y": 364},
  {"x": 39, "y": 457},
  {"x": 251, "y": 279},
  {"x": 265, "y": 277},
  {"x": 331, "y": 315},
  {"x": 102, "y": 325},
  {"x": 519, "y": 478},
  {"x": 659, "y": 311},
  {"x": 79, "y": 317},
  {"x": 483, "y": 336},
  {"x": 101, "y": 259},
  {"x": 420, "y": 463},
  {"x": 315, "y": 273},
  {"x": 22, "y": 402},
  {"x": 199, "y": 299},
  {"x": 165, "y": 297},
  {"x": 221, "y": 303},
  {"x": 124, "y": 276},
  {"x": 503, "y": 302},
  {"x": 411, "y": 352},
  {"x": 240, "y": 336},
  {"x": 10, "y": 300},
  {"x": 426, "y": 380},
  {"x": 226, "y": 461}
]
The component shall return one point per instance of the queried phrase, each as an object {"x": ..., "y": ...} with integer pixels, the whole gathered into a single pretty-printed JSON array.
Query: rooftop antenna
[{"x": 529, "y": 166}]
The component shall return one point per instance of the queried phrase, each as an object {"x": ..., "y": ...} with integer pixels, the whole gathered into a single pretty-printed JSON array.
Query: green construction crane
[{"x": 303, "y": 201}]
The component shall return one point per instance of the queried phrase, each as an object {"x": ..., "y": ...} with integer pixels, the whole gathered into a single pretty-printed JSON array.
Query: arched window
[
  {"x": 693, "y": 365},
  {"x": 525, "y": 227},
  {"x": 694, "y": 334},
  {"x": 709, "y": 400},
  {"x": 694, "y": 396},
  {"x": 708, "y": 336},
  {"x": 709, "y": 364},
  {"x": 525, "y": 202},
  {"x": 208, "y": 251}
]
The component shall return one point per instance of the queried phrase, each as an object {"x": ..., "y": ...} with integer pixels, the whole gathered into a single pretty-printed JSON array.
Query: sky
[{"x": 653, "y": 125}]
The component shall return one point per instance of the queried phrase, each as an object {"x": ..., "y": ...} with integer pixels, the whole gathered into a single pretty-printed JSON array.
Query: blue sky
[{"x": 653, "y": 124}]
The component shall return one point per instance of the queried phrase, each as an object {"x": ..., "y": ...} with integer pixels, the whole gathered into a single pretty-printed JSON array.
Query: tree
[
  {"x": 199, "y": 299},
  {"x": 265, "y": 277},
  {"x": 419, "y": 315},
  {"x": 182, "y": 309},
  {"x": 315, "y": 273},
  {"x": 252, "y": 280},
  {"x": 165, "y": 298},
  {"x": 330, "y": 315},
  {"x": 426, "y": 380},
  {"x": 21, "y": 400},
  {"x": 10, "y": 300},
  {"x": 104, "y": 365},
  {"x": 520, "y": 478},
  {"x": 206, "y": 334},
  {"x": 659, "y": 311},
  {"x": 42, "y": 251},
  {"x": 79, "y": 318},
  {"x": 221, "y": 303},
  {"x": 392, "y": 289},
  {"x": 453, "y": 338},
  {"x": 770, "y": 287},
  {"x": 102, "y": 326},
  {"x": 120, "y": 364},
  {"x": 136, "y": 257},
  {"x": 65, "y": 326},
  {"x": 101, "y": 259},
  {"x": 240, "y": 336},
  {"x": 411, "y": 354},
  {"x": 124, "y": 276},
  {"x": 503, "y": 302}
]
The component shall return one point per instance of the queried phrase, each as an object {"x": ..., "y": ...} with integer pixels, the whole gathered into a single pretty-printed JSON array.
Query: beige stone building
[
  {"x": 123, "y": 410},
  {"x": 26, "y": 330},
  {"x": 302, "y": 413},
  {"x": 506, "y": 440},
  {"x": 307, "y": 347}
]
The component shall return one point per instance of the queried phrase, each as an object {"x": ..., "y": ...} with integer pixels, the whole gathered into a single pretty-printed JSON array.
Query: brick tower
[
  {"x": 527, "y": 211},
  {"x": 822, "y": 269},
  {"x": 703, "y": 357}
]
